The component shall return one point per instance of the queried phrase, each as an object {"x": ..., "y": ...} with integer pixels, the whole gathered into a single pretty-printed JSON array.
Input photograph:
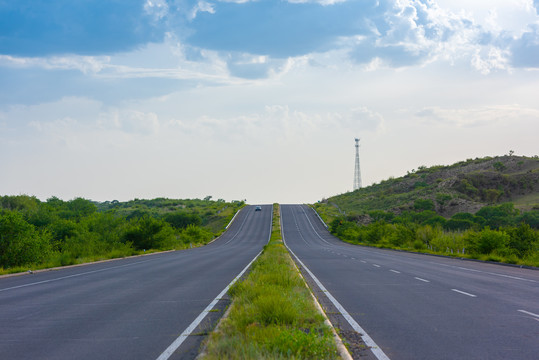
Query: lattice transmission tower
[{"x": 357, "y": 172}]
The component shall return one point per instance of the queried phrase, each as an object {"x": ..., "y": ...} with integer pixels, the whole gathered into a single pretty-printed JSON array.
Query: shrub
[
  {"x": 20, "y": 242},
  {"x": 427, "y": 233},
  {"x": 149, "y": 233},
  {"x": 523, "y": 239},
  {"x": 458, "y": 224},
  {"x": 490, "y": 240},
  {"x": 424, "y": 204},
  {"x": 377, "y": 215},
  {"x": 500, "y": 215},
  {"x": 400, "y": 235},
  {"x": 530, "y": 217},
  {"x": 419, "y": 245},
  {"x": 449, "y": 242},
  {"x": 195, "y": 234},
  {"x": 180, "y": 219},
  {"x": 499, "y": 166},
  {"x": 465, "y": 187},
  {"x": 377, "y": 231},
  {"x": 442, "y": 198},
  {"x": 492, "y": 195}
]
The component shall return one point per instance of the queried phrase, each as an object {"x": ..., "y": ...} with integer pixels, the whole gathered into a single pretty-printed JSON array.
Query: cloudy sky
[{"x": 257, "y": 100}]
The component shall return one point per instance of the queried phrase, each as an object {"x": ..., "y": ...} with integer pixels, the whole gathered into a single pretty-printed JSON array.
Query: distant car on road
[{"x": 258, "y": 208}]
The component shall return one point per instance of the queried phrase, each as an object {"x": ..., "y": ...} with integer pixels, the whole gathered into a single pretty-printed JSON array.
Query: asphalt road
[
  {"x": 126, "y": 309},
  {"x": 418, "y": 306}
]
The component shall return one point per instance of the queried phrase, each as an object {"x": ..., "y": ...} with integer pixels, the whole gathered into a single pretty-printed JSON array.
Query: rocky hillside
[{"x": 466, "y": 186}]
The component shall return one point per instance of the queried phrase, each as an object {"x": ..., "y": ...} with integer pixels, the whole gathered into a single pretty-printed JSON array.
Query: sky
[{"x": 257, "y": 100}]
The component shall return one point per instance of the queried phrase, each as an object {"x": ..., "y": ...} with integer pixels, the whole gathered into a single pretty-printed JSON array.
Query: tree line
[{"x": 57, "y": 232}]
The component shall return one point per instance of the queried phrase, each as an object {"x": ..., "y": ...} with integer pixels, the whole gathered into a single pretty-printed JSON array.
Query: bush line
[
  {"x": 493, "y": 235},
  {"x": 40, "y": 235},
  {"x": 273, "y": 315}
]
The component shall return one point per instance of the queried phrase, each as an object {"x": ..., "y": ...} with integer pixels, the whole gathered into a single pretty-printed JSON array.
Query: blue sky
[{"x": 257, "y": 100}]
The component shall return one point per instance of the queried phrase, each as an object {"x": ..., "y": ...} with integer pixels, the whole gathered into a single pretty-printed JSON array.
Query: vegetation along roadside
[
  {"x": 38, "y": 234},
  {"x": 486, "y": 209},
  {"x": 273, "y": 315}
]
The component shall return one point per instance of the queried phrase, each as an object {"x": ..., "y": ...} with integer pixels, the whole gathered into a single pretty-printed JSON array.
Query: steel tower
[{"x": 357, "y": 172}]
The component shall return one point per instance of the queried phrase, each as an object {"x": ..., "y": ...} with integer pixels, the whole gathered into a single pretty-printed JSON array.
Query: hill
[
  {"x": 484, "y": 208},
  {"x": 466, "y": 186}
]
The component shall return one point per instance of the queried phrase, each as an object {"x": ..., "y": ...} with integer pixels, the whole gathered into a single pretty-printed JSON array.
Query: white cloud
[
  {"x": 479, "y": 116},
  {"x": 414, "y": 33},
  {"x": 493, "y": 15},
  {"x": 494, "y": 59},
  {"x": 129, "y": 121},
  {"x": 85, "y": 64},
  {"x": 201, "y": 6},
  {"x": 157, "y": 9},
  {"x": 321, "y": 2}
]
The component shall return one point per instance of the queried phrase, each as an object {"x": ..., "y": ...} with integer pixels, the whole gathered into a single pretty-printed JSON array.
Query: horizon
[{"x": 214, "y": 198}]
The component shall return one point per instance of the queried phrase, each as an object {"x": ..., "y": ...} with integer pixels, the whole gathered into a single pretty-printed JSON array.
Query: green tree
[
  {"x": 529, "y": 217},
  {"x": 62, "y": 230},
  {"x": 78, "y": 208},
  {"x": 523, "y": 239},
  {"x": 181, "y": 220},
  {"x": 458, "y": 224},
  {"x": 499, "y": 166},
  {"x": 20, "y": 242},
  {"x": 150, "y": 233},
  {"x": 43, "y": 217},
  {"x": 23, "y": 203},
  {"x": 377, "y": 215},
  {"x": 107, "y": 226},
  {"x": 401, "y": 235},
  {"x": 500, "y": 215},
  {"x": 489, "y": 240},
  {"x": 492, "y": 195},
  {"x": 195, "y": 234}
]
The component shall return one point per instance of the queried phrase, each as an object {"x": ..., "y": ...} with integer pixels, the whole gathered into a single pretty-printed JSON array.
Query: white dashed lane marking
[{"x": 463, "y": 293}]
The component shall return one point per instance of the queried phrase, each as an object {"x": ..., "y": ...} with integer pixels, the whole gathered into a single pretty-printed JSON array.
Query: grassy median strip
[{"x": 272, "y": 315}]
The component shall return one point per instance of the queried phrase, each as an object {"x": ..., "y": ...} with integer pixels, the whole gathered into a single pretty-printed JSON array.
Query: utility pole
[{"x": 357, "y": 172}]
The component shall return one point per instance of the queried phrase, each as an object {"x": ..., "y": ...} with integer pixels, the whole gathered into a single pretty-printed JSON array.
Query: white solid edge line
[
  {"x": 317, "y": 214},
  {"x": 233, "y": 217},
  {"x": 529, "y": 313},
  {"x": 176, "y": 344},
  {"x": 343, "y": 351},
  {"x": 380, "y": 355},
  {"x": 180, "y": 339},
  {"x": 464, "y": 293}
]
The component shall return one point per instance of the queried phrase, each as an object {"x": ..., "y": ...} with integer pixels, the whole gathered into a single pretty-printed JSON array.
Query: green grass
[
  {"x": 527, "y": 202},
  {"x": 273, "y": 315}
]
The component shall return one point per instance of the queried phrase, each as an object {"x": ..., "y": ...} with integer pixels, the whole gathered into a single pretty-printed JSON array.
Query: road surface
[
  {"x": 418, "y": 306},
  {"x": 132, "y": 308}
]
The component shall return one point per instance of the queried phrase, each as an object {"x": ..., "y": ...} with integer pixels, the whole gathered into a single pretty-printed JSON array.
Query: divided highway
[
  {"x": 132, "y": 308},
  {"x": 417, "y": 306}
]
